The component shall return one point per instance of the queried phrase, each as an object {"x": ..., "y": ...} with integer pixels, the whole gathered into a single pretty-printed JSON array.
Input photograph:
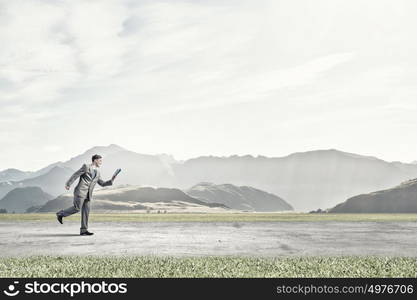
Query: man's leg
[
  {"x": 85, "y": 211},
  {"x": 71, "y": 210}
]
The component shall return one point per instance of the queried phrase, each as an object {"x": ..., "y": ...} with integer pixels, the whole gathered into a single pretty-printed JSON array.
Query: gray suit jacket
[{"x": 87, "y": 182}]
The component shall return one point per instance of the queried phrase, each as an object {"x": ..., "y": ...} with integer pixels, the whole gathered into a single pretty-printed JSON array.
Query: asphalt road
[{"x": 210, "y": 238}]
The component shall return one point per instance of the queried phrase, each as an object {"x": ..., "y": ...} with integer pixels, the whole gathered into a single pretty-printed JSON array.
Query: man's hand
[{"x": 67, "y": 187}]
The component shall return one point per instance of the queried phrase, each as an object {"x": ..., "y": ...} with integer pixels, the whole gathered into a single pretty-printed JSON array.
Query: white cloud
[
  {"x": 52, "y": 148},
  {"x": 183, "y": 77}
]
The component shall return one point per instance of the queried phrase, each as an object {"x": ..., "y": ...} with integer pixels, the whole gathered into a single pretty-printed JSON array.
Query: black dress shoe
[
  {"x": 86, "y": 233},
  {"x": 59, "y": 219}
]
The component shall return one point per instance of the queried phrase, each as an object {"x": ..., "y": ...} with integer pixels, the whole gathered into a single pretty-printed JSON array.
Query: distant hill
[
  {"x": 51, "y": 182},
  {"x": 307, "y": 180},
  {"x": 400, "y": 199},
  {"x": 20, "y": 199},
  {"x": 9, "y": 175},
  {"x": 13, "y": 175},
  {"x": 238, "y": 197},
  {"x": 138, "y": 198}
]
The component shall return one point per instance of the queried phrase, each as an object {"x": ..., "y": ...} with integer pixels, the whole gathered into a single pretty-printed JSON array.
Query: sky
[{"x": 207, "y": 77}]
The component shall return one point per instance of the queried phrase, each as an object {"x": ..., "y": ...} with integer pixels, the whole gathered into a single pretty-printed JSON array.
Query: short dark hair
[{"x": 95, "y": 156}]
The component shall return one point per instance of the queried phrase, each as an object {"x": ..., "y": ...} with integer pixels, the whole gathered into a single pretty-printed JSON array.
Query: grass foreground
[
  {"x": 217, "y": 217},
  {"x": 210, "y": 266}
]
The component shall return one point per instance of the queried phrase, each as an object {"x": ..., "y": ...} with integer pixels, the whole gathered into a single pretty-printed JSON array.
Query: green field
[
  {"x": 211, "y": 266},
  {"x": 218, "y": 217}
]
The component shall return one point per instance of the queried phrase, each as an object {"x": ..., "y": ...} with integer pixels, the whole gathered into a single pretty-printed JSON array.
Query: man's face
[{"x": 98, "y": 162}]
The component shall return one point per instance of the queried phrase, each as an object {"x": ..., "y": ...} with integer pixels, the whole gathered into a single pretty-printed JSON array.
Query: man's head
[{"x": 97, "y": 160}]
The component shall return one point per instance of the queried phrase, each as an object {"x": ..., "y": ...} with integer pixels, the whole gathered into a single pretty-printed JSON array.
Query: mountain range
[
  {"x": 51, "y": 182},
  {"x": 305, "y": 180}
]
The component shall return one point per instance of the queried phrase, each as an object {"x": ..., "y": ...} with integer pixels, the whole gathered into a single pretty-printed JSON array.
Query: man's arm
[
  {"x": 104, "y": 183},
  {"x": 74, "y": 176}
]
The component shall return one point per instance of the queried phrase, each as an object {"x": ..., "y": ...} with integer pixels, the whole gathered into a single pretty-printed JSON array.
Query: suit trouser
[{"x": 79, "y": 204}]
